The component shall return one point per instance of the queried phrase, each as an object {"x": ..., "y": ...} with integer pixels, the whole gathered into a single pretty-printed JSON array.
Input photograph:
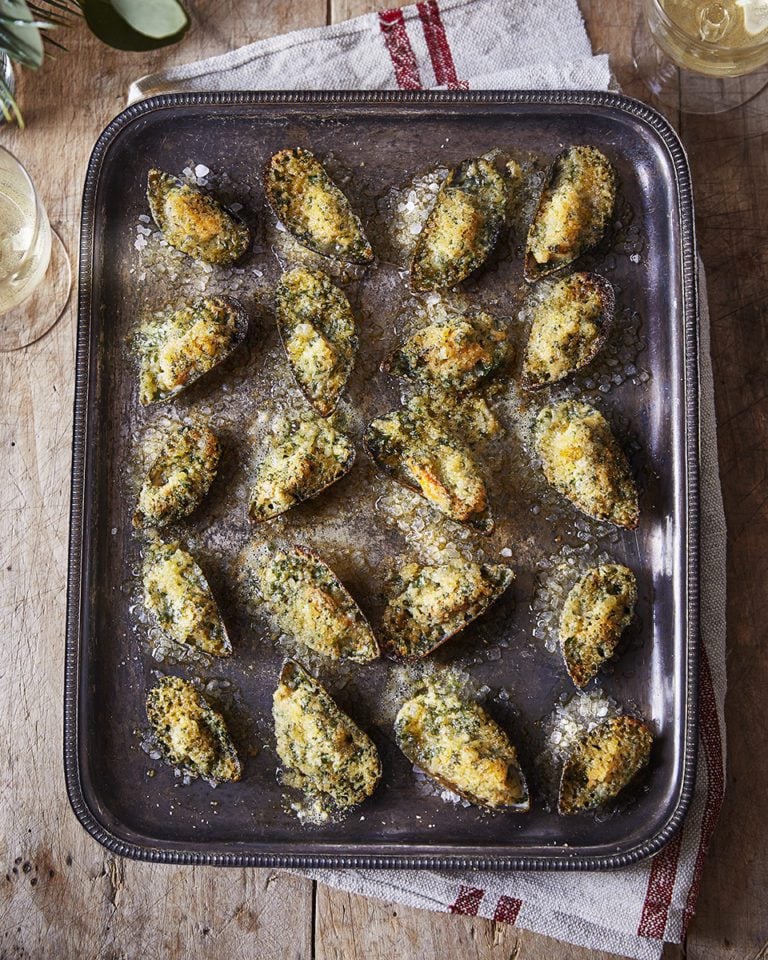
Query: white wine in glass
[
  {"x": 34, "y": 267},
  {"x": 702, "y": 56}
]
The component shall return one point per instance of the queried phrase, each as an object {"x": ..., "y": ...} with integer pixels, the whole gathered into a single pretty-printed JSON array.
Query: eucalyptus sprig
[{"x": 122, "y": 24}]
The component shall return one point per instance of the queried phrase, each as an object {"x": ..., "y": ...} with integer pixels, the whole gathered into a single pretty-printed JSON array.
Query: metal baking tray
[{"x": 134, "y": 805}]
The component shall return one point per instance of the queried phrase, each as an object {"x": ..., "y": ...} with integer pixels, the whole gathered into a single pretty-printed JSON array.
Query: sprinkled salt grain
[
  {"x": 144, "y": 218},
  {"x": 570, "y": 719},
  {"x": 235, "y": 207},
  {"x": 505, "y": 552},
  {"x": 448, "y": 796},
  {"x": 140, "y": 242},
  {"x": 635, "y": 257},
  {"x": 188, "y": 172},
  {"x": 201, "y": 170}
]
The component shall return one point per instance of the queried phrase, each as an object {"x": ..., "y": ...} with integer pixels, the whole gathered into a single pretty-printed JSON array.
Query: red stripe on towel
[
  {"x": 507, "y": 909},
  {"x": 392, "y": 24},
  {"x": 438, "y": 46},
  {"x": 711, "y": 739},
  {"x": 658, "y": 895},
  {"x": 468, "y": 901}
]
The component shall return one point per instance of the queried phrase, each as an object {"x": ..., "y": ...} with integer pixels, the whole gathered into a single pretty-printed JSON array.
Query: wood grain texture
[
  {"x": 61, "y": 895},
  {"x": 729, "y": 161},
  {"x": 349, "y": 927}
]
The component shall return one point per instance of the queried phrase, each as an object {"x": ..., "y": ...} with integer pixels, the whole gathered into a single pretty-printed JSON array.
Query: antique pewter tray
[{"x": 646, "y": 382}]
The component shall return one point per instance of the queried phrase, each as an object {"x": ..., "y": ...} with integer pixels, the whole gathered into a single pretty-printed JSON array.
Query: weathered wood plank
[
  {"x": 729, "y": 160},
  {"x": 344, "y": 9},
  {"x": 356, "y": 928},
  {"x": 61, "y": 894}
]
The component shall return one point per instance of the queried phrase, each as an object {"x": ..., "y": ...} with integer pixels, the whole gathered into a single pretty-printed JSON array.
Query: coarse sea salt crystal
[
  {"x": 201, "y": 170},
  {"x": 506, "y": 552}
]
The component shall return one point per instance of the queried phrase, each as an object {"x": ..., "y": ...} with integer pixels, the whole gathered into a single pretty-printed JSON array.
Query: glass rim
[
  {"x": 39, "y": 211},
  {"x": 697, "y": 41}
]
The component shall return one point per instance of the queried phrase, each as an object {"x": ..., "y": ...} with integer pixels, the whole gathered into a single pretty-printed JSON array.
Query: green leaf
[
  {"x": 136, "y": 24},
  {"x": 153, "y": 18},
  {"x": 19, "y": 34}
]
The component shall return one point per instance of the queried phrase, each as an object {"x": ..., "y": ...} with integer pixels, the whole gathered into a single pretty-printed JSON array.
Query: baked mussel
[
  {"x": 431, "y": 604},
  {"x": 313, "y": 209},
  {"x": 177, "y": 593},
  {"x": 194, "y": 222},
  {"x": 603, "y": 762},
  {"x": 418, "y": 453},
  {"x": 569, "y": 327},
  {"x": 597, "y": 610},
  {"x": 309, "y": 602},
  {"x": 454, "y": 354},
  {"x": 583, "y": 461},
  {"x": 179, "y": 477},
  {"x": 317, "y": 329},
  {"x": 177, "y": 347},
  {"x": 322, "y": 750},
  {"x": 306, "y": 455},
  {"x": 573, "y": 211},
  {"x": 190, "y": 733},
  {"x": 458, "y": 745},
  {"x": 462, "y": 228}
]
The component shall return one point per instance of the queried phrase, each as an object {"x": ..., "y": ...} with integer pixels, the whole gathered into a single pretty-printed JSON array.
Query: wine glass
[
  {"x": 700, "y": 56},
  {"x": 35, "y": 274}
]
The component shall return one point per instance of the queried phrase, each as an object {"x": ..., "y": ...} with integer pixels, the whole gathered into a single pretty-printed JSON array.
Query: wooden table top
[{"x": 63, "y": 895}]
